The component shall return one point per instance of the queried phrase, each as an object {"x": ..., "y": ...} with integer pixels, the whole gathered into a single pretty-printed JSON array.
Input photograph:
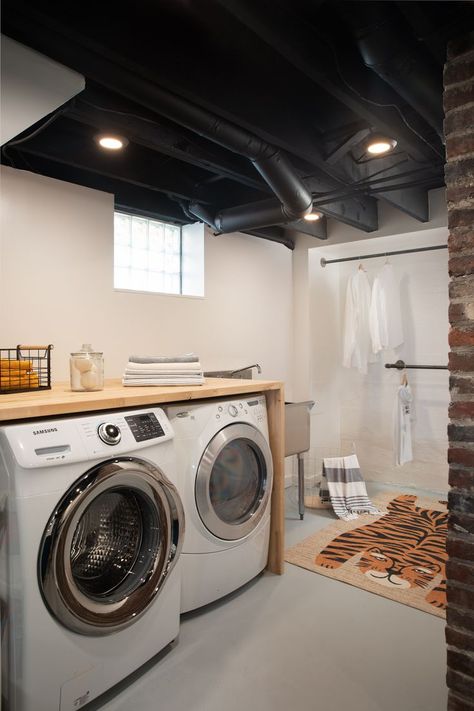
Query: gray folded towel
[{"x": 186, "y": 358}]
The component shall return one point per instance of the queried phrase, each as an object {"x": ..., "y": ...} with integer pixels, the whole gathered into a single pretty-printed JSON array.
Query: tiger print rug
[{"x": 400, "y": 555}]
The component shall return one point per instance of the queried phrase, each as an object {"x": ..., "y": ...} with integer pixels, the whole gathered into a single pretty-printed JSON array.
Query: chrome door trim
[
  {"x": 214, "y": 524},
  {"x": 71, "y": 607}
]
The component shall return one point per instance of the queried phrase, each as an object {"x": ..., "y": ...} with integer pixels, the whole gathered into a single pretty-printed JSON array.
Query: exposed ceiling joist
[{"x": 246, "y": 114}]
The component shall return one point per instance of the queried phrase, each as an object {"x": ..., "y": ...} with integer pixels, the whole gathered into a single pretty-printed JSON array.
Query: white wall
[
  {"x": 56, "y": 286},
  {"x": 354, "y": 408}
]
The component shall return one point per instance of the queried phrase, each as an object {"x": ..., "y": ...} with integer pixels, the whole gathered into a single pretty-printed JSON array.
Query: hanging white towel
[
  {"x": 403, "y": 411},
  {"x": 385, "y": 315},
  {"x": 357, "y": 344},
  {"x": 343, "y": 485}
]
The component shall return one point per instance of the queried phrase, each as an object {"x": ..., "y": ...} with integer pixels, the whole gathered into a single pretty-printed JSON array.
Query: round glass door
[
  {"x": 233, "y": 481},
  {"x": 109, "y": 546}
]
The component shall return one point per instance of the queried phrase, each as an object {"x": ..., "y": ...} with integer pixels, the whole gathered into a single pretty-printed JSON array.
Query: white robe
[
  {"x": 357, "y": 344},
  {"x": 385, "y": 316},
  {"x": 403, "y": 411}
]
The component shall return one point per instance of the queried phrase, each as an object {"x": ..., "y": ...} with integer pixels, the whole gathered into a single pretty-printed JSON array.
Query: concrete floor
[{"x": 299, "y": 641}]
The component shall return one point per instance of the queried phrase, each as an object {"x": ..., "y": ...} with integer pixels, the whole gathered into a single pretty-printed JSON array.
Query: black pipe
[
  {"x": 362, "y": 257},
  {"x": 296, "y": 200},
  {"x": 401, "y": 365}
]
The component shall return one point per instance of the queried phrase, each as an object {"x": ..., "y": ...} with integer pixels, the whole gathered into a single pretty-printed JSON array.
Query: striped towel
[{"x": 342, "y": 484}]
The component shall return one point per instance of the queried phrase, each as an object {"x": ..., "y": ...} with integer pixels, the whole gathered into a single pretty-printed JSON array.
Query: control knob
[
  {"x": 109, "y": 433},
  {"x": 233, "y": 411}
]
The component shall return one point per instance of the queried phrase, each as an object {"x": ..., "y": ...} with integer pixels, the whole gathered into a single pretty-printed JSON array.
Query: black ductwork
[
  {"x": 293, "y": 202},
  {"x": 397, "y": 58}
]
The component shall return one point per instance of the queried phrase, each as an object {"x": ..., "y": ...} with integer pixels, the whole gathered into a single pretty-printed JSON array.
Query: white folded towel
[
  {"x": 163, "y": 367},
  {"x": 164, "y": 374},
  {"x": 186, "y": 358},
  {"x": 197, "y": 380}
]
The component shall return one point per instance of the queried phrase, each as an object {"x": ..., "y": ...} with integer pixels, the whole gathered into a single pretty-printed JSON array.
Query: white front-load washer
[
  {"x": 225, "y": 481},
  {"x": 92, "y": 528}
]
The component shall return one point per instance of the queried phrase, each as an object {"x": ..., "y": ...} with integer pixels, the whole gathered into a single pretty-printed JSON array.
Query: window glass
[{"x": 158, "y": 257}]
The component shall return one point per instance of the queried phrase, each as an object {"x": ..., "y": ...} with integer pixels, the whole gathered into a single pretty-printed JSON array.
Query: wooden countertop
[{"x": 60, "y": 400}]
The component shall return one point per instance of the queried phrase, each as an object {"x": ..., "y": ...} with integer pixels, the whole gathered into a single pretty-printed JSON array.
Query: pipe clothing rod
[
  {"x": 401, "y": 365},
  {"x": 359, "y": 258}
]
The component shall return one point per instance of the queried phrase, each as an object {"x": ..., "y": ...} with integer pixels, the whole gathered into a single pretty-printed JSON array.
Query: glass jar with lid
[{"x": 87, "y": 369}]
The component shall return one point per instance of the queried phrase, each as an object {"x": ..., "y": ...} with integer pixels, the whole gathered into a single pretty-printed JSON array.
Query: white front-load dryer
[
  {"x": 225, "y": 481},
  {"x": 89, "y": 571}
]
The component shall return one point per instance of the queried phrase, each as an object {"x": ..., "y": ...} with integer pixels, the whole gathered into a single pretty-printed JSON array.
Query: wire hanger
[{"x": 404, "y": 378}]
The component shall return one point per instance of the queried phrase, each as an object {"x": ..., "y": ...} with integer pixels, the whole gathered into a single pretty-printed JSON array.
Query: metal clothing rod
[
  {"x": 401, "y": 365},
  {"x": 382, "y": 254}
]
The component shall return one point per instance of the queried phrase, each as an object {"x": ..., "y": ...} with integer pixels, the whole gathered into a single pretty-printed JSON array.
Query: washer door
[
  {"x": 234, "y": 481},
  {"x": 109, "y": 546}
]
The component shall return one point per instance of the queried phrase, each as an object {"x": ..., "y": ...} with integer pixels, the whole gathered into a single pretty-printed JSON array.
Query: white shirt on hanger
[
  {"x": 385, "y": 316},
  {"x": 357, "y": 344}
]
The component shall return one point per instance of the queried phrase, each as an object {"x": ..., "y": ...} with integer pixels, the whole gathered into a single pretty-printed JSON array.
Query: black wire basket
[{"x": 25, "y": 368}]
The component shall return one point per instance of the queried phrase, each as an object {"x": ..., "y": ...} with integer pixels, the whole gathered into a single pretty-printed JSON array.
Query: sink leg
[{"x": 300, "y": 486}]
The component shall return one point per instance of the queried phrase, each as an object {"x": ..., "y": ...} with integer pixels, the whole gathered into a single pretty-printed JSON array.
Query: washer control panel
[
  {"x": 145, "y": 426},
  {"x": 77, "y": 439},
  {"x": 109, "y": 433}
]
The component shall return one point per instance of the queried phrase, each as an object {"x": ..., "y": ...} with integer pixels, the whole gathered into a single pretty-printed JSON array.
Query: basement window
[{"x": 157, "y": 257}]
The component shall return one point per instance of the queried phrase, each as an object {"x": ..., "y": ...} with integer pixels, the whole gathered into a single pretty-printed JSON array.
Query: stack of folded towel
[
  {"x": 163, "y": 370},
  {"x": 17, "y": 375}
]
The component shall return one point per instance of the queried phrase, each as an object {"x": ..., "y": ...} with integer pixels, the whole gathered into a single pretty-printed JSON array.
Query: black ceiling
[{"x": 305, "y": 81}]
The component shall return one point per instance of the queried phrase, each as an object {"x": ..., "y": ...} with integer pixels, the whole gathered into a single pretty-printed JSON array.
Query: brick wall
[{"x": 459, "y": 132}]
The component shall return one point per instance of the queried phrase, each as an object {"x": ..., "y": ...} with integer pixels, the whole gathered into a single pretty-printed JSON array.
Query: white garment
[
  {"x": 357, "y": 344},
  {"x": 403, "y": 410},
  {"x": 385, "y": 316}
]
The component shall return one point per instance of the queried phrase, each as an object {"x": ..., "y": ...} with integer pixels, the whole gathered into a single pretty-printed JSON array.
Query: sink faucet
[{"x": 247, "y": 367}]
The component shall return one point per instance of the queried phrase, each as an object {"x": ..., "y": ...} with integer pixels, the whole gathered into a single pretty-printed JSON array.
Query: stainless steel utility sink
[
  {"x": 297, "y": 440},
  {"x": 245, "y": 373}
]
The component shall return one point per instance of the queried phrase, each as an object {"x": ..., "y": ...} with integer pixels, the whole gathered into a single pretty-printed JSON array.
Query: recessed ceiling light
[
  {"x": 313, "y": 216},
  {"x": 377, "y": 145},
  {"x": 111, "y": 142}
]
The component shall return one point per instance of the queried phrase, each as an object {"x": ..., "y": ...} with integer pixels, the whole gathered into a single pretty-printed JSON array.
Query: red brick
[
  {"x": 460, "y": 639},
  {"x": 463, "y": 217},
  {"x": 461, "y": 410},
  {"x": 461, "y": 45},
  {"x": 460, "y": 572},
  {"x": 460, "y": 523},
  {"x": 461, "y": 361},
  {"x": 460, "y": 501},
  {"x": 460, "y": 120},
  {"x": 461, "y": 433},
  {"x": 458, "y": 71},
  {"x": 461, "y": 478},
  {"x": 461, "y": 662},
  {"x": 457, "y": 96},
  {"x": 458, "y": 455},
  {"x": 456, "y": 703},
  {"x": 455, "y": 193},
  {"x": 461, "y": 312},
  {"x": 461, "y": 619},
  {"x": 461, "y": 288},
  {"x": 461, "y": 684},
  {"x": 461, "y": 597},
  {"x": 459, "y": 172},
  {"x": 461, "y": 337},
  {"x": 461, "y": 239},
  {"x": 461, "y": 547},
  {"x": 458, "y": 146}
]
